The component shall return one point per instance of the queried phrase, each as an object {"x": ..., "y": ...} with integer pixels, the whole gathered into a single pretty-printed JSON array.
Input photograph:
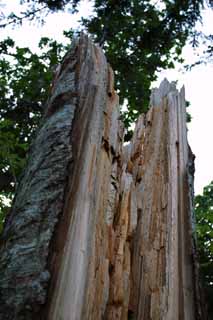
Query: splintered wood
[{"x": 123, "y": 246}]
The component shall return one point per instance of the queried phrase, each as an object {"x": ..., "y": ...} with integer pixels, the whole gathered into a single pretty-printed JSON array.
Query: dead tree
[{"x": 99, "y": 230}]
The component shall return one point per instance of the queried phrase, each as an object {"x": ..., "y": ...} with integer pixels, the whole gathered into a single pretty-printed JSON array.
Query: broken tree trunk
[{"x": 99, "y": 230}]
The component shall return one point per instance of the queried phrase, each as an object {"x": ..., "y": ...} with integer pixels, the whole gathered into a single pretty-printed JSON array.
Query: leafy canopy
[
  {"x": 204, "y": 226},
  {"x": 139, "y": 37}
]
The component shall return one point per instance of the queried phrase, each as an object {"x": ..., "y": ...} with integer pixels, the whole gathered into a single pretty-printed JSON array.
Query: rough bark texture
[{"x": 99, "y": 230}]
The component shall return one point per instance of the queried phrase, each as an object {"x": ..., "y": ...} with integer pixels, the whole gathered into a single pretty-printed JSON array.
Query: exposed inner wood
[{"x": 99, "y": 229}]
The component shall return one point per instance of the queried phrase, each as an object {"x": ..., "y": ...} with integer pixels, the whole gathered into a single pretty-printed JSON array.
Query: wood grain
[{"x": 99, "y": 230}]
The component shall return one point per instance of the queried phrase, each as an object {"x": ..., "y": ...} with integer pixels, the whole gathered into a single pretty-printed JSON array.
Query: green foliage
[
  {"x": 188, "y": 115},
  {"x": 140, "y": 38},
  {"x": 53, "y": 4},
  {"x": 204, "y": 219}
]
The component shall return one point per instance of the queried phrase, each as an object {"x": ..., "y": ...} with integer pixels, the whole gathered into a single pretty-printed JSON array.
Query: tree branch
[{"x": 19, "y": 19}]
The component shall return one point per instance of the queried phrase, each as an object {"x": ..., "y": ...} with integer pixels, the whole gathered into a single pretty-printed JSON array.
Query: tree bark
[{"x": 99, "y": 230}]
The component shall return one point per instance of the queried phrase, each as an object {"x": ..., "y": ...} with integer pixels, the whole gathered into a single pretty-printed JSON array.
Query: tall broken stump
[{"x": 99, "y": 230}]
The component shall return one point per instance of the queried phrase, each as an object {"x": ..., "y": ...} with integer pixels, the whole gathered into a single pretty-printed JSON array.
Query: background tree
[
  {"x": 204, "y": 226},
  {"x": 139, "y": 37}
]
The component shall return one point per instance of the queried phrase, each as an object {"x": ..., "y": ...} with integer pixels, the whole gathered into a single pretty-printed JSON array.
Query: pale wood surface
[{"x": 123, "y": 246}]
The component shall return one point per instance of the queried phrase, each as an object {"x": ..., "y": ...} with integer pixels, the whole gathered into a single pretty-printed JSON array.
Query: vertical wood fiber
[{"x": 99, "y": 230}]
